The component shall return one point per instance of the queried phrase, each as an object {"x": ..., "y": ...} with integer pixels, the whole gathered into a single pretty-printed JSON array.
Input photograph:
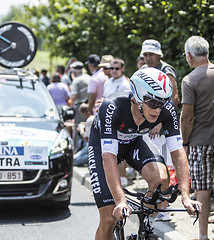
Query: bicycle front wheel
[
  {"x": 153, "y": 237},
  {"x": 119, "y": 232}
]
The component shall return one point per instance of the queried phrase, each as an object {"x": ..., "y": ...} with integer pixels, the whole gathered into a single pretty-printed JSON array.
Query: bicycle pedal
[{"x": 133, "y": 236}]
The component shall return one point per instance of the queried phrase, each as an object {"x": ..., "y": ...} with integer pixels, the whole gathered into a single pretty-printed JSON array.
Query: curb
[{"x": 160, "y": 228}]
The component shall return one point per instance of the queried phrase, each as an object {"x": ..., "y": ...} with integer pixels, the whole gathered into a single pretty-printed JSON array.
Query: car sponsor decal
[
  {"x": 12, "y": 132},
  {"x": 13, "y": 157}
]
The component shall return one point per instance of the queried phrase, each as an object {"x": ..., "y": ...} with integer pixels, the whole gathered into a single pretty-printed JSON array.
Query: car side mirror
[{"x": 68, "y": 113}]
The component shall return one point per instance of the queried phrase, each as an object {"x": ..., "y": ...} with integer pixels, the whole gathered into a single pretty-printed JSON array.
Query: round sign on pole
[{"x": 18, "y": 45}]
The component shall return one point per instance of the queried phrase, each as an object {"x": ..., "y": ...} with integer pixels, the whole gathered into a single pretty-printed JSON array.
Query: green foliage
[
  {"x": 42, "y": 61},
  {"x": 80, "y": 27}
]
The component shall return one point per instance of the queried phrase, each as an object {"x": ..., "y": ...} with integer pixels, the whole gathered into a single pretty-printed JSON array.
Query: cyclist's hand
[
  {"x": 118, "y": 211},
  {"x": 155, "y": 131},
  {"x": 190, "y": 206}
]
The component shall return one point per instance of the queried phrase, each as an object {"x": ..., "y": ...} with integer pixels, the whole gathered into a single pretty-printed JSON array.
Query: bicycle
[{"x": 145, "y": 230}]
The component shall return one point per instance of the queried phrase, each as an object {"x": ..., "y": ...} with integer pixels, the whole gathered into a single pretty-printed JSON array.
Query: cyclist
[{"x": 117, "y": 135}]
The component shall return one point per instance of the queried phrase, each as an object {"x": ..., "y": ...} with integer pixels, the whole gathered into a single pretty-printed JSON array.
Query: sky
[{"x": 8, "y": 3}]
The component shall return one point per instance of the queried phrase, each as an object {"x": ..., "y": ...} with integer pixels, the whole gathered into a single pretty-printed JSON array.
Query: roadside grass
[{"x": 42, "y": 61}]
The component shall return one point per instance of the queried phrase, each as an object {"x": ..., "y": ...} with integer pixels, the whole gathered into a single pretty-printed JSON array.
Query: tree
[{"x": 77, "y": 28}]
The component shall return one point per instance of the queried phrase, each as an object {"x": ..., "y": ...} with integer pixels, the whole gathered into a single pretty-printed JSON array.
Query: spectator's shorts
[{"x": 201, "y": 164}]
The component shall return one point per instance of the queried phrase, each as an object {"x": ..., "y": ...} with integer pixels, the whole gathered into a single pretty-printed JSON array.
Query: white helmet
[{"x": 152, "y": 83}]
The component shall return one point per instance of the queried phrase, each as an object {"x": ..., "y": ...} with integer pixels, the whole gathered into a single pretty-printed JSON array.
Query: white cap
[{"x": 151, "y": 46}]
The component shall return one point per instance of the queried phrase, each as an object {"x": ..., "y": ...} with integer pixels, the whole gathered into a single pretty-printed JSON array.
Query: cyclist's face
[
  {"x": 150, "y": 114},
  {"x": 151, "y": 59}
]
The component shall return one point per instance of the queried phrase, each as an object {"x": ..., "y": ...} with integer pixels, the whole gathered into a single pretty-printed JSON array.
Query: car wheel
[{"x": 62, "y": 205}]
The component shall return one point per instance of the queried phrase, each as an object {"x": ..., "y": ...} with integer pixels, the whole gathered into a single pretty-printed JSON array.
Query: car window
[{"x": 25, "y": 99}]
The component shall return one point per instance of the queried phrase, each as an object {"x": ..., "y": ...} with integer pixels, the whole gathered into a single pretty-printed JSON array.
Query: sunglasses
[
  {"x": 115, "y": 68},
  {"x": 106, "y": 68},
  {"x": 153, "y": 104}
]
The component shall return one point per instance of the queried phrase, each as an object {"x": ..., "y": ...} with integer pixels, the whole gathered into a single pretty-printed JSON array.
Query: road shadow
[
  {"x": 31, "y": 214},
  {"x": 83, "y": 204}
]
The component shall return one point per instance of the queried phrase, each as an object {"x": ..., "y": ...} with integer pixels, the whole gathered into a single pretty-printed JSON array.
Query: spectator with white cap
[
  {"x": 152, "y": 54},
  {"x": 78, "y": 96}
]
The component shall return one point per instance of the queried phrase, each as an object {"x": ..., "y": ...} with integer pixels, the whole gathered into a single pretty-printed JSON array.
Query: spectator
[
  {"x": 140, "y": 62},
  {"x": 64, "y": 77},
  {"x": 96, "y": 83},
  {"x": 81, "y": 157},
  {"x": 197, "y": 123},
  {"x": 59, "y": 91},
  {"x": 105, "y": 64},
  {"x": 78, "y": 96},
  {"x": 152, "y": 53},
  {"x": 36, "y": 72},
  {"x": 117, "y": 83},
  {"x": 44, "y": 77}
]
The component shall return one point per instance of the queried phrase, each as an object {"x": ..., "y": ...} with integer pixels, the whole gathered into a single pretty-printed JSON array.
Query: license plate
[{"x": 11, "y": 176}]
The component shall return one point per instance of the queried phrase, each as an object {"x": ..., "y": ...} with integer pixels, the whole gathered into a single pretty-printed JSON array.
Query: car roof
[{"x": 16, "y": 74}]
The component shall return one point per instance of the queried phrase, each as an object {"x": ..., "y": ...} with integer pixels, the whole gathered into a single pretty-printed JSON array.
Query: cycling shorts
[{"x": 137, "y": 154}]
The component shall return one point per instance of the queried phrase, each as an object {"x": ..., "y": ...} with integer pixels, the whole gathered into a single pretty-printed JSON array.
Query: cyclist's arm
[
  {"x": 113, "y": 177},
  {"x": 113, "y": 180}
]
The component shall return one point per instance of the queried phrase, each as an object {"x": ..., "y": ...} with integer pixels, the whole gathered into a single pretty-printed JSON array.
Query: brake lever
[
  {"x": 197, "y": 212},
  {"x": 124, "y": 215},
  {"x": 174, "y": 194}
]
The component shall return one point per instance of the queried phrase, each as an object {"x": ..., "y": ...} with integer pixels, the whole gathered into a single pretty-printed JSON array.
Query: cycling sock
[{"x": 201, "y": 237}]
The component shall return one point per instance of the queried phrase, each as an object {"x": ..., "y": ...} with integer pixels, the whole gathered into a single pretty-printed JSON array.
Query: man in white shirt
[{"x": 118, "y": 82}]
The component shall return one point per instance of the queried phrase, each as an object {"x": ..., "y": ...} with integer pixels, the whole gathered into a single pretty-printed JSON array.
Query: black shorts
[{"x": 137, "y": 154}]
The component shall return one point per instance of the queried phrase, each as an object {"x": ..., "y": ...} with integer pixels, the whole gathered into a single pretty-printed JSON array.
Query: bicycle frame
[{"x": 145, "y": 230}]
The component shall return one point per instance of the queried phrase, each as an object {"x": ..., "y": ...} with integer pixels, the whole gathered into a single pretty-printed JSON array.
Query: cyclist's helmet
[{"x": 152, "y": 83}]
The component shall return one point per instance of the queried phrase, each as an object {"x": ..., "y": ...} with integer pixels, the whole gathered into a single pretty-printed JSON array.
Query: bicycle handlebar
[{"x": 157, "y": 195}]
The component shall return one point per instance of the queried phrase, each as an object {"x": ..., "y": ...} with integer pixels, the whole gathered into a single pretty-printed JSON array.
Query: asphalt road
[{"x": 33, "y": 222}]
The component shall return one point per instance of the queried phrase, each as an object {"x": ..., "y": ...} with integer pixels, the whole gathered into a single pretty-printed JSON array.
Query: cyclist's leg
[
  {"x": 155, "y": 168},
  {"x": 107, "y": 223},
  {"x": 102, "y": 195},
  {"x": 147, "y": 159}
]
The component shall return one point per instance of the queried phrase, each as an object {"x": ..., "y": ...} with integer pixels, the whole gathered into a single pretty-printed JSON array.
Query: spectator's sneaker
[
  {"x": 130, "y": 173},
  {"x": 162, "y": 216},
  {"x": 124, "y": 181}
]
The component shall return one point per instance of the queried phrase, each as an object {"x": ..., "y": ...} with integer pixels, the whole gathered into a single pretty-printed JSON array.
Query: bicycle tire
[
  {"x": 18, "y": 45},
  {"x": 118, "y": 232},
  {"x": 153, "y": 237},
  {"x": 132, "y": 237}
]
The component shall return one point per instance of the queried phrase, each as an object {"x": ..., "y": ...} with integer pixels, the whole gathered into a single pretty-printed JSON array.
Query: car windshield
[{"x": 27, "y": 98}]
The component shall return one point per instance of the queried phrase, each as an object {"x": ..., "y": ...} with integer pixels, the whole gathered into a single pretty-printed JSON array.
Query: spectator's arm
[
  {"x": 175, "y": 97},
  {"x": 68, "y": 100},
  {"x": 73, "y": 100},
  {"x": 91, "y": 101},
  {"x": 186, "y": 121}
]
